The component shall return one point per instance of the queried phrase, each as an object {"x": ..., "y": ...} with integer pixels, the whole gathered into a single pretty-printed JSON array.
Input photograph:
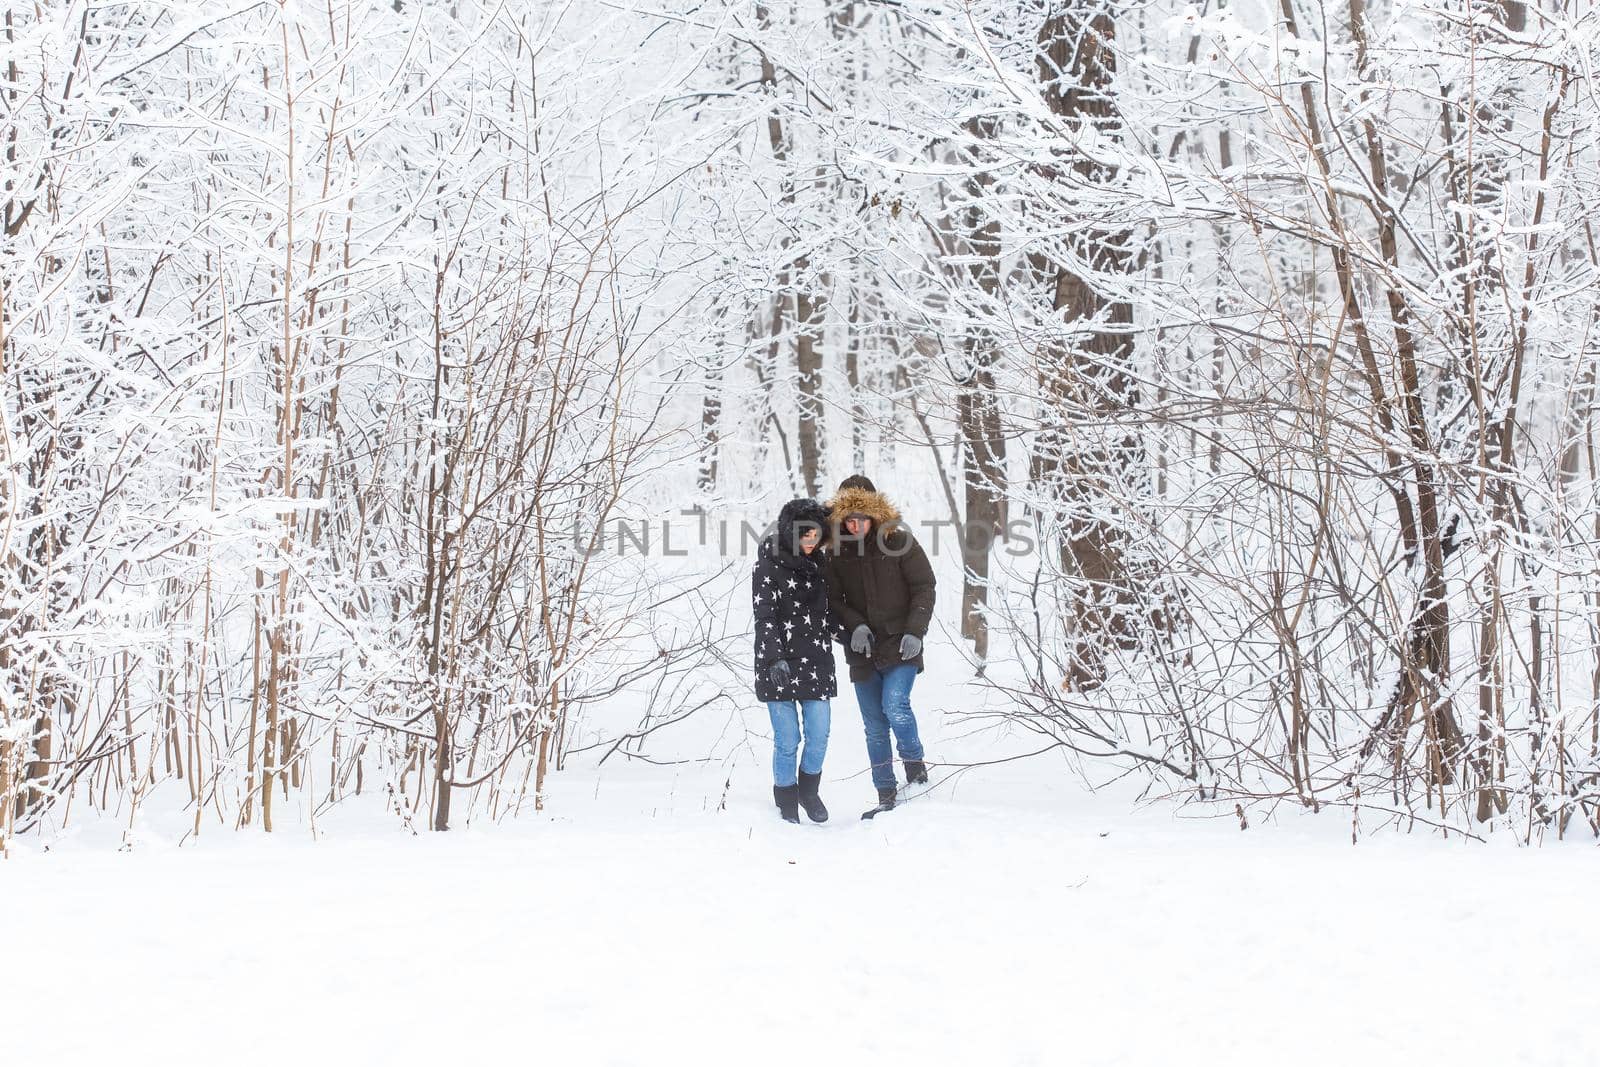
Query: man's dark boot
[
  {"x": 809, "y": 784},
  {"x": 886, "y": 796},
  {"x": 916, "y": 772},
  {"x": 788, "y": 800}
]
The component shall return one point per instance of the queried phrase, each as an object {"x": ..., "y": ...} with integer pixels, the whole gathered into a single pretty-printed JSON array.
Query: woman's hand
[{"x": 779, "y": 673}]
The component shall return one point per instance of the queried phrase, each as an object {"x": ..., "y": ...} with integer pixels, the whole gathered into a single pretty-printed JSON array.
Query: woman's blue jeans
[
  {"x": 885, "y": 701},
  {"x": 786, "y": 730}
]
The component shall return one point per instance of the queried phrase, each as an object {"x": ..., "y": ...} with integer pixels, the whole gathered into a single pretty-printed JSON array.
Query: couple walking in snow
[{"x": 848, "y": 571}]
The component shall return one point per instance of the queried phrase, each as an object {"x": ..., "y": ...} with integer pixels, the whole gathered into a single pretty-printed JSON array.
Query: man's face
[{"x": 857, "y": 525}]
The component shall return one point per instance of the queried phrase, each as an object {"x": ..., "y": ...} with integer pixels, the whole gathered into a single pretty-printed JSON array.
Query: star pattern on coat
[{"x": 789, "y": 595}]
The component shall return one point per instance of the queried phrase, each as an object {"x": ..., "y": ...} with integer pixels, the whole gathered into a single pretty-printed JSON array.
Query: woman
[{"x": 794, "y": 660}]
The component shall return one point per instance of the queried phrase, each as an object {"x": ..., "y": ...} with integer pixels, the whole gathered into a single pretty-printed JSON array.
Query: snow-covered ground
[{"x": 1007, "y": 918}]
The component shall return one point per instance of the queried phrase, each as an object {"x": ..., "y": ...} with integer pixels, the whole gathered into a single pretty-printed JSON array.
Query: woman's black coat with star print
[{"x": 789, "y": 594}]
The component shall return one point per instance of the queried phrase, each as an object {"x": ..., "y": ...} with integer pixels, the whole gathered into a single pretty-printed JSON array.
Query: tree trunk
[
  {"x": 710, "y": 425},
  {"x": 808, "y": 379},
  {"x": 792, "y": 280},
  {"x": 1082, "y": 461},
  {"x": 983, "y": 453}
]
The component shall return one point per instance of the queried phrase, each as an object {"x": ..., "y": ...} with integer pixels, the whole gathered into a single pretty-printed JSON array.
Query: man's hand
[
  {"x": 861, "y": 640},
  {"x": 910, "y": 646}
]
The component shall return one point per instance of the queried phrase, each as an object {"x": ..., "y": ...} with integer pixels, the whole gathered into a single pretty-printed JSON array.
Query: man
[{"x": 880, "y": 586}]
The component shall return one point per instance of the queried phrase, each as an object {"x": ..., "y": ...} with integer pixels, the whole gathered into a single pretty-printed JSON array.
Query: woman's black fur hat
[{"x": 798, "y": 515}]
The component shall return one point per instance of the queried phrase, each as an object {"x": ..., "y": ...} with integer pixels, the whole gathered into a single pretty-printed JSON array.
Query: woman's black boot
[
  {"x": 916, "y": 772},
  {"x": 788, "y": 800},
  {"x": 886, "y": 797},
  {"x": 809, "y": 784}
]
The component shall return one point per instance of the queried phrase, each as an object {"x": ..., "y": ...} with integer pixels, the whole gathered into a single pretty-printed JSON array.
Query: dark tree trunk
[
  {"x": 1082, "y": 462},
  {"x": 983, "y": 453}
]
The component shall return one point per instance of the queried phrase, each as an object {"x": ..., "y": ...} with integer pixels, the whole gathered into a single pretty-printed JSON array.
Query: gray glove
[
  {"x": 778, "y": 673},
  {"x": 861, "y": 640},
  {"x": 910, "y": 646}
]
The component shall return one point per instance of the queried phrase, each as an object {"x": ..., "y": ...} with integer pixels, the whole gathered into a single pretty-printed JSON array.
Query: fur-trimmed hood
[{"x": 869, "y": 502}]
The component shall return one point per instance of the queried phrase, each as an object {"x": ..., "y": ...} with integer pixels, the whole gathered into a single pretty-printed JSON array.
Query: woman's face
[{"x": 809, "y": 539}]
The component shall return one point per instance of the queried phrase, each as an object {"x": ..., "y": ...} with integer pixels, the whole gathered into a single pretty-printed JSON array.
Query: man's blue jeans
[
  {"x": 885, "y": 701},
  {"x": 786, "y": 737}
]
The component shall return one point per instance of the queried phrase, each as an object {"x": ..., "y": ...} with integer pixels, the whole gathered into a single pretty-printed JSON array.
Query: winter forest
[
  {"x": 1247, "y": 351},
  {"x": 393, "y": 394}
]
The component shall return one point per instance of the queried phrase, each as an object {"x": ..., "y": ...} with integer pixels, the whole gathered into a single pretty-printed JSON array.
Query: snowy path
[{"x": 966, "y": 932}]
